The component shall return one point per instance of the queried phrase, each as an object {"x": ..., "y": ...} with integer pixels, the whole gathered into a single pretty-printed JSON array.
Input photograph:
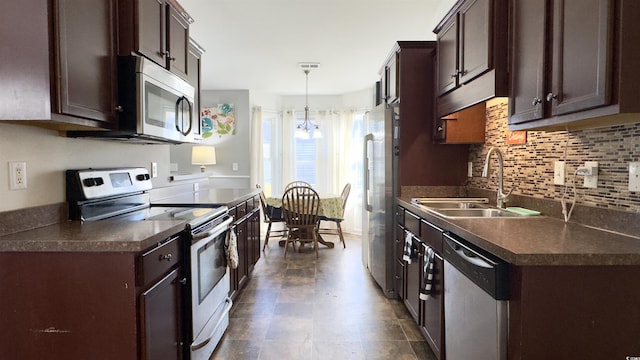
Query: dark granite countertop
[
  {"x": 539, "y": 240},
  {"x": 95, "y": 236},
  {"x": 113, "y": 235}
]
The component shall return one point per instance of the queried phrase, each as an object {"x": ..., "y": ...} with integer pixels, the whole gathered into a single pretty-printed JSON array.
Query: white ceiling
[{"x": 257, "y": 44}]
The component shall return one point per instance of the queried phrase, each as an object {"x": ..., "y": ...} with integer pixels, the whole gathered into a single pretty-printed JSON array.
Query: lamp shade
[{"x": 203, "y": 155}]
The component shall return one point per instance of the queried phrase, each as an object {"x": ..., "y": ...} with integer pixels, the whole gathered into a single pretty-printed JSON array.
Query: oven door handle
[
  {"x": 215, "y": 231},
  {"x": 204, "y": 342}
]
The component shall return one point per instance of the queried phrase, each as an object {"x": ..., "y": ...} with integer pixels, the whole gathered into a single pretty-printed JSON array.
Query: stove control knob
[
  {"x": 89, "y": 182},
  {"x": 99, "y": 181},
  {"x": 143, "y": 177}
]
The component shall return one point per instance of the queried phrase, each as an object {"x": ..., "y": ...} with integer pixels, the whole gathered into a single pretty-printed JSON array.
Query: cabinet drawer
[
  {"x": 431, "y": 235},
  {"x": 412, "y": 223},
  {"x": 251, "y": 204},
  {"x": 241, "y": 210},
  {"x": 158, "y": 261},
  {"x": 400, "y": 215}
]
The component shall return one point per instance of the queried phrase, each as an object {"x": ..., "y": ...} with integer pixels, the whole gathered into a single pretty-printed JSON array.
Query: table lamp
[{"x": 203, "y": 155}]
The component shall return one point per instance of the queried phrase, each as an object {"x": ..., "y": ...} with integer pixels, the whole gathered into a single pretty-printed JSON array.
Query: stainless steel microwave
[{"x": 154, "y": 105}]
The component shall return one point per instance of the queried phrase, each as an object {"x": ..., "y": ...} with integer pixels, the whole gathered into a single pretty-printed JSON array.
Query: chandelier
[{"x": 306, "y": 129}]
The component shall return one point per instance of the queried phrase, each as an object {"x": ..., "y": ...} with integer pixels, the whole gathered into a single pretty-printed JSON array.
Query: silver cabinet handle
[
  {"x": 536, "y": 101},
  {"x": 551, "y": 96},
  {"x": 167, "y": 257},
  {"x": 119, "y": 108},
  {"x": 455, "y": 73}
]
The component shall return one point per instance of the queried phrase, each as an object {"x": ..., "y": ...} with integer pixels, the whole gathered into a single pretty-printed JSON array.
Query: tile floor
[{"x": 326, "y": 308}]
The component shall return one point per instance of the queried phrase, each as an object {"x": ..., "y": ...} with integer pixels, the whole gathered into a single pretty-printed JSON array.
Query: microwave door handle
[{"x": 180, "y": 114}]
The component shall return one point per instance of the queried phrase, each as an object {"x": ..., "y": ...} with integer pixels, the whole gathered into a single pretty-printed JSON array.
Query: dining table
[{"x": 330, "y": 206}]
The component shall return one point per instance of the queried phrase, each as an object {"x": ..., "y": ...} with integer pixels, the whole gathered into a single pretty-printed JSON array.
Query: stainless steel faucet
[{"x": 502, "y": 197}]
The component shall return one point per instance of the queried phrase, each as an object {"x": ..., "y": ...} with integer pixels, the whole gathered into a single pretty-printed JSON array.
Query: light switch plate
[
  {"x": 634, "y": 176},
  {"x": 234, "y": 166},
  {"x": 154, "y": 169},
  {"x": 469, "y": 169},
  {"x": 558, "y": 172}
]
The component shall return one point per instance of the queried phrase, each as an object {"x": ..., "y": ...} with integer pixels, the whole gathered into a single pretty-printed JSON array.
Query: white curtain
[
  {"x": 256, "y": 172},
  {"x": 288, "y": 158},
  {"x": 338, "y": 157}
]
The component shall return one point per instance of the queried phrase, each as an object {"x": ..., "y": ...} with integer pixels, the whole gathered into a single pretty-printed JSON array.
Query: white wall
[
  {"x": 229, "y": 148},
  {"x": 49, "y": 155},
  {"x": 363, "y": 99}
]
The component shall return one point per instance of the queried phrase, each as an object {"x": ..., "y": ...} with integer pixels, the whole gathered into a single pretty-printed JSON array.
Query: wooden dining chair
[
  {"x": 300, "y": 206},
  {"x": 270, "y": 219},
  {"x": 338, "y": 229},
  {"x": 296, "y": 183}
]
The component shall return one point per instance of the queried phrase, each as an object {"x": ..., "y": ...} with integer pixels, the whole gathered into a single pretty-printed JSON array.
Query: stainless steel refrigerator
[{"x": 380, "y": 190}]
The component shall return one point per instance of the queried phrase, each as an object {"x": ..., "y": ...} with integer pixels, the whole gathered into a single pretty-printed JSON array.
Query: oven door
[{"x": 209, "y": 284}]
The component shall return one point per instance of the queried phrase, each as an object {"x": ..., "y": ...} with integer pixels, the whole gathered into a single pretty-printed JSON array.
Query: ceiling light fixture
[{"x": 307, "y": 129}]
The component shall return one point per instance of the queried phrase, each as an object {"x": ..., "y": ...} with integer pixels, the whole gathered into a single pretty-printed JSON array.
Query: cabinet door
[
  {"x": 432, "y": 310},
  {"x": 243, "y": 255},
  {"x": 160, "y": 318},
  {"x": 86, "y": 61},
  {"x": 177, "y": 43},
  {"x": 412, "y": 284},
  {"x": 527, "y": 60},
  {"x": 393, "y": 78},
  {"x": 582, "y": 42},
  {"x": 193, "y": 67},
  {"x": 448, "y": 56},
  {"x": 151, "y": 30},
  {"x": 256, "y": 237},
  {"x": 474, "y": 43}
]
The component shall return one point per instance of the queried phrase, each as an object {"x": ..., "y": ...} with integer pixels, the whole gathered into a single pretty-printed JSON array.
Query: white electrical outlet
[
  {"x": 173, "y": 167},
  {"x": 591, "y": 181},
  {"x": 17, "y": 175},
  {"x": 234, "y": 166},
  {"x": 470, "y": 169},
  {"x": 634, "y": 176},
  {"x": 558, "y": 172},
  {"x": 154, "y": 169}
]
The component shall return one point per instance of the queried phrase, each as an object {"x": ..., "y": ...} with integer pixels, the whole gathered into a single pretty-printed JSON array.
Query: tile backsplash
[{"x": 529, "y": 167}]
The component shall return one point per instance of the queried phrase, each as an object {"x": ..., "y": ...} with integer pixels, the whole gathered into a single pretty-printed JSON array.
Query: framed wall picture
[{"x": 218, "y": 120}]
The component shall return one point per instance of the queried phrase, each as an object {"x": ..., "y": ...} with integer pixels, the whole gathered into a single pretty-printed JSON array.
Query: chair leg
[
  {"x": 315, "y": 241},
  {"x": 344, "y": 245},
  {"x": 266, "y": 238}
]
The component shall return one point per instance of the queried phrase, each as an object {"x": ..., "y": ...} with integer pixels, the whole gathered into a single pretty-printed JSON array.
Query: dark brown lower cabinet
[
  {"x": 432, "y": 314},
  {"x": 247, "y": 229},
  {"x": 413, "y": 281},
  {"x": 429, "y": 313},
  {"x": 162, "y": 333},
  {"x": 92, "y": 305}
]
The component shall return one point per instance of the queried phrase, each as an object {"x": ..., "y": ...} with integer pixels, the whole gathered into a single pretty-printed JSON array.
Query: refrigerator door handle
[{"x": 368, "y": 138}]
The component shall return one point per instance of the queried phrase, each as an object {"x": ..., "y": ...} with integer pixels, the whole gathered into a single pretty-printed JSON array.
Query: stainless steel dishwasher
[{"x": 476, "y": 293}]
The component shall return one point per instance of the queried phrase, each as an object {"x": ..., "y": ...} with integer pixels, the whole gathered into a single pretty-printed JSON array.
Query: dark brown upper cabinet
[
  {"x": 158, "y": 30},
  {"x": 193, "y": 64},
  {"x": 574, "y": 64},
  {"x": 472, "y": 54},
  {"x": 61, "y": 72},
  {"x": 409, "y": 69}
]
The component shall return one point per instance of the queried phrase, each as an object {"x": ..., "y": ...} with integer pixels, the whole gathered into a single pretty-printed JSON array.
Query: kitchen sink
[
  {"x": 475, "y": 213},
  {"x": 456, "y": 207}
]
